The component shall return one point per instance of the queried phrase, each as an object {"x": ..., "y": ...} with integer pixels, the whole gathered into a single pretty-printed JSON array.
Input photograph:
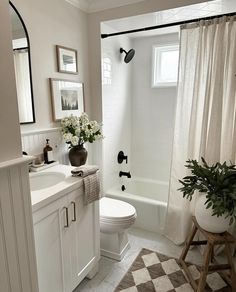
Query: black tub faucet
[{"x": 123, "y": 173}]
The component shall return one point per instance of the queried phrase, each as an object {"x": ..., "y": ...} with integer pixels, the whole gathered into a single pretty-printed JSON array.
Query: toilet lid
[{"x": 111, "y": 208}]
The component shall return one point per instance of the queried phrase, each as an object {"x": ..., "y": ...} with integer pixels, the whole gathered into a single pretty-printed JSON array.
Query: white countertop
[{"x": 45, "y": 196}]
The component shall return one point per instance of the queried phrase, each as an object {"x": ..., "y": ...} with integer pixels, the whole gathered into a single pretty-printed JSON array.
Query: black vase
[{"x": 78, "y": 155}]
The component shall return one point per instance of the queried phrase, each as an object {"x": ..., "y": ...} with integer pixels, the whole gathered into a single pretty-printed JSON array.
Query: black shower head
[{"x": 128, "y": 55}]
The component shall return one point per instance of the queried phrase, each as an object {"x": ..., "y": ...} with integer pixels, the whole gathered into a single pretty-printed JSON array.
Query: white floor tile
[{"x": 111, "y": 272}]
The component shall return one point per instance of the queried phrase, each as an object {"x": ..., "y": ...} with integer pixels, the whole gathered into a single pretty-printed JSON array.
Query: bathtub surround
[
  {"x": 205, "y": 117},
  {"x": 131, "y": 115},
  {"x": 153, "y": 111},
  {"x": 144, "y": 126},
  {"x": 116, "y": 111}
]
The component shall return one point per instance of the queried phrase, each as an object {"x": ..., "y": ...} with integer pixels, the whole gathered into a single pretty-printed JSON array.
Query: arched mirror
[{"x": 21, "y": 52}]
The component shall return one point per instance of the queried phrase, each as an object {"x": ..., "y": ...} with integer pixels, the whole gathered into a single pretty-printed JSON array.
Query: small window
[
  {"x": 165, "y": 65},
  {"x": 106, "y": 71}
]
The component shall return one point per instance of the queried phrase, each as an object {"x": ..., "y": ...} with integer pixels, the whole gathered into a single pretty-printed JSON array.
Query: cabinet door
[
  {"x": 84, "y": 237},
  {"x": 51, "y": 237}
]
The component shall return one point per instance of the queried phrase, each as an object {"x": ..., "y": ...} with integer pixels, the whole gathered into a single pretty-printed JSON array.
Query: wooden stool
[{"x": 212, "y": 239}]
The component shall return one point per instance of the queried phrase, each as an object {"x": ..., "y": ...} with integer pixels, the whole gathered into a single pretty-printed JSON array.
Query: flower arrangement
[{"x": 79, "y": 130}]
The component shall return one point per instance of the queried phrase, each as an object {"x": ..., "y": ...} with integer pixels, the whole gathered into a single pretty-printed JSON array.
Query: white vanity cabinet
[{"x": 67, "y": 242}]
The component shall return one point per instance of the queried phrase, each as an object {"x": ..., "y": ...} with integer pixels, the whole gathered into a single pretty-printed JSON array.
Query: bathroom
[{"x": 145, "y": 136}]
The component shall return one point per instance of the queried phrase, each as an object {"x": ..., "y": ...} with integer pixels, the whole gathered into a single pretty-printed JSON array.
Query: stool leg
[
  {"x": 231, "y": 263},
  {"x": 188, "y": 243},
  {"x": 204, "y": 272}
]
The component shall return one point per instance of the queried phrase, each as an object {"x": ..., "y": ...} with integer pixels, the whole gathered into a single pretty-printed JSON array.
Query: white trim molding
[
  {"x": 16, "y": 161},
  {"x": 158, "y": 80},
  {"x": 81, "y": 4},
  {"x": 40, "y": 131},
  {"x": 90, "y": 6}
]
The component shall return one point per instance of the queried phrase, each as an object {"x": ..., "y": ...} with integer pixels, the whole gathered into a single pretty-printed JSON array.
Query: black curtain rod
[{"x": 103, "y": 36}]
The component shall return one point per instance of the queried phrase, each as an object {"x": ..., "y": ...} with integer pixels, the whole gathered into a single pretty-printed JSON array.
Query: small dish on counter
[{"x": 38, "y": 164}]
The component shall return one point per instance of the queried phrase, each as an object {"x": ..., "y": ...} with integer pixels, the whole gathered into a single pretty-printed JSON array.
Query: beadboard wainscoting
[
  {"x": 17, "y": 250},
  {"x": 33, "y": 143}
]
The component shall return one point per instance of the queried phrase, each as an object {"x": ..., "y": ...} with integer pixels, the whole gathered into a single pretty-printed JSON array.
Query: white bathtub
[{"x": 149, "y": 197}]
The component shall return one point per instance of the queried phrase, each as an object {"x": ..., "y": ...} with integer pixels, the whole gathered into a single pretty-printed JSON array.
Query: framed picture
[
  {"x": 67, "y": 60},
  {"x": 67, "y": 98}
]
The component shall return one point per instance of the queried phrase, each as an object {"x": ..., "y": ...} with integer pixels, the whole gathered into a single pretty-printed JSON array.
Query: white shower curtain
[{"x": 206, "y": 110}]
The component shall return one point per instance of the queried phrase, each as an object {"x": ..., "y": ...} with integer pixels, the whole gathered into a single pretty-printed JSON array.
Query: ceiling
[
  {"x": 98, "y": 5},
  {"x": 195, "y": 11}
]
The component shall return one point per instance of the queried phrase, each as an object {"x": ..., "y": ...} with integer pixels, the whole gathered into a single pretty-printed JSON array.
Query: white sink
[{"x": 39, "y": 181}]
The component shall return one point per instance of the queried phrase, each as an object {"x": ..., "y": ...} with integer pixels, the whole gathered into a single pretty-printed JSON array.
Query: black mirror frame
[{"x": 30, "y": 70}]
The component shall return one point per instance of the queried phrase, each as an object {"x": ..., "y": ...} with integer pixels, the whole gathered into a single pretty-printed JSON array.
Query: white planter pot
[{"x": 205, "y": 219}]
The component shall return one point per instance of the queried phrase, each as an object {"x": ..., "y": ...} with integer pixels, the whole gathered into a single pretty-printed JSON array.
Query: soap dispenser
[{"x": 48, "y": 153}]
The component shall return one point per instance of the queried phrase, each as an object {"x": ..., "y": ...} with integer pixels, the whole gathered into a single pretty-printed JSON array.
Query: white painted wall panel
[
  {"x": 33, "y": 143},
  {"x": 18, "y": 271}
]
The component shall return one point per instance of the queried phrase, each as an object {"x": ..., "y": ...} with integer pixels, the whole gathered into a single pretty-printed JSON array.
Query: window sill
[{"x": 164, "y": 85}]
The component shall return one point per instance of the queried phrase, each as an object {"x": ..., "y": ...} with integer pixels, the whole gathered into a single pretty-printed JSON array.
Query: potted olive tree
[{"x": 216, "y": 207}]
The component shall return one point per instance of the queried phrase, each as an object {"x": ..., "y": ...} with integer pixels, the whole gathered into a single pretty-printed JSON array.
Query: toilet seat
[{"x": 116, "y": 211}]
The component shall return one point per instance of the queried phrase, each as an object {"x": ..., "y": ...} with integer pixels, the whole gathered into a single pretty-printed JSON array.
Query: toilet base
[{"x": 114, "y": 245}]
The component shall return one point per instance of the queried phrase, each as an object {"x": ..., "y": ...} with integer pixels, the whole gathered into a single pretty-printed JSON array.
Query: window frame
[
  {"x": 106, "y": 80},
  {"x": 156, "y": 56}
]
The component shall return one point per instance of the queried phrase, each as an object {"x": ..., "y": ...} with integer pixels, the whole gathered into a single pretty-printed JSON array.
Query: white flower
[
  {"x": 67, "y": 137},
  {"x": 74, "y": 141},
  {"x": 84, "y": 118},
  {"x": 77, "y": 130}
]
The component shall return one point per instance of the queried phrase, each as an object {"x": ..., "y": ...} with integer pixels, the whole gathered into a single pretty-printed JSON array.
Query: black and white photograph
[
  {"x": 67, "y": 60},
  {"x": 67, "y": 98}
]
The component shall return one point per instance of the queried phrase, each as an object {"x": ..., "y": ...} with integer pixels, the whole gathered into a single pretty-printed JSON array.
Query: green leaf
[{"x": 218, "y": 181}]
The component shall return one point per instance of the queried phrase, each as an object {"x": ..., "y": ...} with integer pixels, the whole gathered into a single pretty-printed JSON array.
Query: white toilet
[{"x": 115, "y": 218}]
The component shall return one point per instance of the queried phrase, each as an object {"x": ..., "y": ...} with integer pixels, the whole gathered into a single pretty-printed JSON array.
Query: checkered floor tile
[{"x": 154, "y": 272}]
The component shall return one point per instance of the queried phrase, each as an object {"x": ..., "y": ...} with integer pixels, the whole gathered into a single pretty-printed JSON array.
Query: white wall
[
  {"x": 17, "y": 254},
  {"x": 94, "y": 21},
  {"x": 51, "y": 23},
  {"x": 95, "y": 39},
  {"x": 116, "y": 111},
  {"x": 153, "y": 111},
  {"x": 10, "y": 146}
]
